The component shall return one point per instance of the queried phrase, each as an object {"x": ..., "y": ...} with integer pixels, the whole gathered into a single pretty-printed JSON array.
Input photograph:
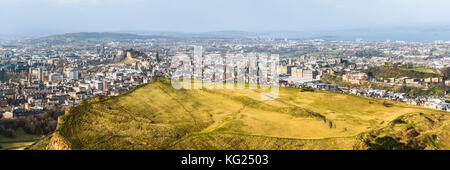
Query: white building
[
  {"x": 7, "y": 115},
  {"x": 72, "y": 74},
  {"x": 436, "y": 103},
  {"x": 55, "y": 77}
]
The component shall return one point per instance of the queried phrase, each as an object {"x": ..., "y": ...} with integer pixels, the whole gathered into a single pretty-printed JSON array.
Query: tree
[
  {"x": 42, "y": 124},
  {"x": 446, "y": 73}
]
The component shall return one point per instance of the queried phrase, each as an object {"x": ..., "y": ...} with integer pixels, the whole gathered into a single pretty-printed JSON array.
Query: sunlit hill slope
[{"x": 156, "y": 116}]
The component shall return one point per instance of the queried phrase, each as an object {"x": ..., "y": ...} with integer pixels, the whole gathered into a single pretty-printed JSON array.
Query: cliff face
[
  {"x": 128, "y": 54},
  {"x": 57, "y": 142},
  {"x": 416, "y": 131}
]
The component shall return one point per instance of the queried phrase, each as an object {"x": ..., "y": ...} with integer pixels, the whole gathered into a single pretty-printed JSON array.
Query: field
[
  {"x": 324, "y": 52},
  {"x": 396, "y": 71},
  {"x": 20, "y": 141},
  {"x": 423, "y": 70},
  {"x": 156, "y": 116}
]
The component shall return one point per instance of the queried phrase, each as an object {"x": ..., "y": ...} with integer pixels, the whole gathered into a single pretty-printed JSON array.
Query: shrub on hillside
[
  {"x": 307, "y": 90},
  {"x": 387, "y": 104}
]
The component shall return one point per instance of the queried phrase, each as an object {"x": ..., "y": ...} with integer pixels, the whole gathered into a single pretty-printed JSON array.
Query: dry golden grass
[{"x": 157, "y": 116}]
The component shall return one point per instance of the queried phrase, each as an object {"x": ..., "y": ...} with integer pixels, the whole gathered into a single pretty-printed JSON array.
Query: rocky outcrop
[
  {"x": 416, "y": 131},
  {"x": 128, "y": 54},
  {"x": 58, "y": 143}
]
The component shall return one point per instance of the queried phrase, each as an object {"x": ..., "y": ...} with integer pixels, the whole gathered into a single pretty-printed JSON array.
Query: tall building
[
  {"x": 40, "y": 75},
  {"x": 55, "y": 77},
  {"x": 98, "y": 85},
  {"x": 3, "y": 77},
  {"x": 282, "y": 69},
  {"x": 72, "y": 74},
  {"x": 105, "y": 86},
  {"x": 44, "y": 75},
  {"x": 296, "y": 72},
  {"x": 158, "y": 59},
  {"x": 290, "y": 68},
  {"x": 30, "y": 72},
  {"x": 311, "y": 74}
]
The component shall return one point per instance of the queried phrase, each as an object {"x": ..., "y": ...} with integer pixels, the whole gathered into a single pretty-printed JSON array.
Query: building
[
  {"x": 355, "y": 77},
  {"x": 282, "y": 69},
  {"x": 55, "y": 77},
  {"x": 310, "y": 74},
  {"x": 72, "y": 74},
  {"x": 289, "y": 69},
  {"x": 410, "y": 81},
  {"x": 98, "y": 85},
  {"x": 7, "y": 115},
  {"x": 296, "y": 72},
  {"x": 436, "y": 79},
  {"x": 19, "y": 112},
  {"x": 3, "y": 77},
  {"x": 433, "y": 80},
  {"x": 40, "y": 74},
  {"x": 436, "y": 103}
]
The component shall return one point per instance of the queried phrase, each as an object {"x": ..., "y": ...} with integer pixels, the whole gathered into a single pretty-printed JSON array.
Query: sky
[{"x": 56, "y": 16}]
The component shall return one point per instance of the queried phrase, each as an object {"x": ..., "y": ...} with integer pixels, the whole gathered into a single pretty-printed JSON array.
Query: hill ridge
[{"x": 156, "y": 116}]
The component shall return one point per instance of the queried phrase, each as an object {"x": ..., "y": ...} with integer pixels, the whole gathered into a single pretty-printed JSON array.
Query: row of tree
[
  {"x": 41, "y": 124},
  {"x": 446, "y": 73}
]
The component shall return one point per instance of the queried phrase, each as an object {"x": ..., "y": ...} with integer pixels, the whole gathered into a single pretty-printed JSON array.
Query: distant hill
[
  {"x": 206, "y": 35},
  {"x": 93, "y": 37},
  {"x": 157, "y": 116},
  {"x": 86, "y": 35},
  {"x": 102, "y": 37}
]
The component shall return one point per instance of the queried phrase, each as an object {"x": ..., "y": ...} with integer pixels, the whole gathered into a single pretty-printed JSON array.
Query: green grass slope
[
  {"x": 156, "y": 116},
  {"x": 20, "y": 141}
]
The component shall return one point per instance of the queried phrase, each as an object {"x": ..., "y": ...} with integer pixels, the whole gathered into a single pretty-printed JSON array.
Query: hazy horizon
[{"x": 44, "y": 17}]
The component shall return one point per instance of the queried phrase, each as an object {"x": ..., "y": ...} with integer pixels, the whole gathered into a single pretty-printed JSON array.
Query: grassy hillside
[
  {"x": 156, "y": 116},
  {"x": 20, "y": 141},
  {"x": 397, "y": 71}
]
